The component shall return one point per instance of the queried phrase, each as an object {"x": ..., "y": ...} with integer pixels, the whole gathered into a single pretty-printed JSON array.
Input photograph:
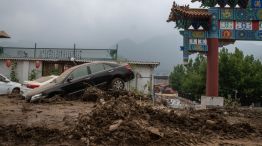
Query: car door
[
  {"x": 77, "y": 80},
  {"x": 3, "y": 85},
  {"x": 99, "y": 75}
]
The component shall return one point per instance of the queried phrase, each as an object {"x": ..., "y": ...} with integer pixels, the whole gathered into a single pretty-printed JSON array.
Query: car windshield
[
  {"x": 43, "y": 79},
  {"x": 62, "y": 77}
]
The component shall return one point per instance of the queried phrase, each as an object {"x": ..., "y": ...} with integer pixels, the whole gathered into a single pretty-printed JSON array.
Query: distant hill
[
  {"x": 166, "y": 50},
  {"x": 163, "y": 49}
]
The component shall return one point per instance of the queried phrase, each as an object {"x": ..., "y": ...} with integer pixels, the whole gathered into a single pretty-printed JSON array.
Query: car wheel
[
  {"x": 16, "y": 91},
  {"x": 117, "y": 84}
]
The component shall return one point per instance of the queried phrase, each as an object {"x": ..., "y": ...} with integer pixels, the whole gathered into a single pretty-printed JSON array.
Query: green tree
[
  {"x": 177, "y": 77},
  {"x": 190, "y": 78},
  {"x": 239, "y": 75},
  {"x": 13, "y": 72}
]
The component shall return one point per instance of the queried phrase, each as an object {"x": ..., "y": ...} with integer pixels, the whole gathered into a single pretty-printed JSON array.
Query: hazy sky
[{"x": 90, "y": 23}]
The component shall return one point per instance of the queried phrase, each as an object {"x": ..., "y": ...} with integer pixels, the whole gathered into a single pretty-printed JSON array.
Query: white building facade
[{"x": 24, "y": 68}]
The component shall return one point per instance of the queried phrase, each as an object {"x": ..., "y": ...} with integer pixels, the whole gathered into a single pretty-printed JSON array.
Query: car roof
[
  {"x": 3, "y": 75},
  {"x": 95, "y": 62}
]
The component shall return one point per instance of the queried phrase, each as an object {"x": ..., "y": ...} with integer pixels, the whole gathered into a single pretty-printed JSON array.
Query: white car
[
  {"x": 9, "y": 87},
  {"x": 40, "y": 81}
]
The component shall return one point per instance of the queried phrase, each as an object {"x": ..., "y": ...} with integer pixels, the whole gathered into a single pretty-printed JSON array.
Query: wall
[
  {"x": 212, "y": 101},
  {"x": 142, "y": 80},
  {"x": 4, "y": 70},
  {"x": 143, "y": 74},
  {"x": 23, "y": 69}
]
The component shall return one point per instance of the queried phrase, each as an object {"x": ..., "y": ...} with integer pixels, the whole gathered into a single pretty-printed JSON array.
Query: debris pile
[
  {"x": 121, "y": 121},
  {"x": 119, "y": 118},
  {"x": 20, "y": 134}
]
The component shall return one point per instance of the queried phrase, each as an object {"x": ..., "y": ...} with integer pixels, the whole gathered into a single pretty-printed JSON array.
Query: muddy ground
[{"x": 121, "y": 118}]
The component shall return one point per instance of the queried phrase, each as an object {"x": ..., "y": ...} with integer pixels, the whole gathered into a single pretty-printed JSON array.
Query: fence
[{"x": 58, "y": 53}]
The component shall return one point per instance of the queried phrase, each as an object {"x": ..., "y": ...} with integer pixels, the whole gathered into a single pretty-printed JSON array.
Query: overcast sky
[{"x": 88, "y": 23}]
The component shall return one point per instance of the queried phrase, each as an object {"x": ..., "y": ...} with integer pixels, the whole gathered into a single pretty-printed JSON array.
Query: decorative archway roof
[
  {"x": 223, "y": 3},
  {"x": 185, "y": 17}
]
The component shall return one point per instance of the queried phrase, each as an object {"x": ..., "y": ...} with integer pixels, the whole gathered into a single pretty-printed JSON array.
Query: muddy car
[
  {"x": 40, "y": 81},
  {"x": 9, "y": 87},
  {"x": 77, "y": 78}
]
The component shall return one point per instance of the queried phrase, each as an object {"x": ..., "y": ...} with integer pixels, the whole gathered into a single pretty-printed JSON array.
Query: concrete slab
[{"x": 212, "y": 101}]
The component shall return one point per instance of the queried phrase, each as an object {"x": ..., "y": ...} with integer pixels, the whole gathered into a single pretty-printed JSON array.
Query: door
[
  {"x": 100, "y": 76},
  {"x": 77, "y": 80}
]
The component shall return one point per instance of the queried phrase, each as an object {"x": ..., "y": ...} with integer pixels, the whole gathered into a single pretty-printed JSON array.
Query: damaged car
[
  {"x": 74, "y": 80},
  {"x": 40, "y": 81},
  {"x": 9, "y": 87}
]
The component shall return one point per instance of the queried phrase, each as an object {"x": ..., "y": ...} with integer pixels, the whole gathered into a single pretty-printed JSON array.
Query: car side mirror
[
  {"x": 6, "y": 80},
  {"x": 69, "y": 79}
]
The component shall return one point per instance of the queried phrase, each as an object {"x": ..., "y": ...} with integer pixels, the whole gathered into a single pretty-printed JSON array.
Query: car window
[
  {"x": 96, "y": 68},
  {"x": 2, "y": 78},
  {"x": 80, "y": 72},
  {"x": 107, "y": 67}
]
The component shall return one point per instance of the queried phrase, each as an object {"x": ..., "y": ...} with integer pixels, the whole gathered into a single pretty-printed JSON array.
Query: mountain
[
  {"x": 166, "y": 50},
  {"x": 163, "y": 49}
]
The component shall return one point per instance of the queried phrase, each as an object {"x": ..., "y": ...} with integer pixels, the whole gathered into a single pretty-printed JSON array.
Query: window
[
  {"x": 2, "y": 78},
  {"x": 79, "y": 72},
  {"x": 107, "y": 67},
  {"x": 96, "y": 68}
]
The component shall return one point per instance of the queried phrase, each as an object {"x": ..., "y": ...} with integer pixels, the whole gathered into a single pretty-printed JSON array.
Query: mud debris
[{"x": 119, "y": 119}]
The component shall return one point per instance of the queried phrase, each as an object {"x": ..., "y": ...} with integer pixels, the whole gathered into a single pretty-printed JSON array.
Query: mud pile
[
  {"x": 19, "y": 134},
  {"x": 94, "y": 94},
  {"x": 125, "y": 118},
  {"x": 121, "y": 121}
]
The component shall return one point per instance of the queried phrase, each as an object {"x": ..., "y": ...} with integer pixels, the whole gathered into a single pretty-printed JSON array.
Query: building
[
  {"x": 30, "y": 63},
  {"x": 161, "y": 79}
]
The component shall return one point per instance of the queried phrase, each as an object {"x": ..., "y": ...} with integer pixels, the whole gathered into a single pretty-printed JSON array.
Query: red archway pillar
[{"x": 212, "y": 67}]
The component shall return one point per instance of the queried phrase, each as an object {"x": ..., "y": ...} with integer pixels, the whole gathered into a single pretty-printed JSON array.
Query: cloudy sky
[
  {"x": 94, "y": 24},
  {"x": 89, "y": 23}
]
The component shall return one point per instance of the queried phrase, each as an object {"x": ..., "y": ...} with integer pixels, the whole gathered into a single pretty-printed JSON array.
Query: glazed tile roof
[
  {"x": 185, "y": 11},
  {"x": 223, "y": 3},
  {"x": 4, "y": 35}
]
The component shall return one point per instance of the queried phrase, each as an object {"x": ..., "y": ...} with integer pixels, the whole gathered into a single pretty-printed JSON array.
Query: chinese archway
[{"x": 218, "y": 23}]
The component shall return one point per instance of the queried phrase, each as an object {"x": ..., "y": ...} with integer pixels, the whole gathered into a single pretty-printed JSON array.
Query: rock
[
  {"x": 84, "y": 139},
  {"x": 115, "y": 125},
  {"x": 155, "y": 131},
  {"x": 102, "y": 101},
  {"x": 241, "y": 115},
  {"x": 210, "y": 122},
  {"x": 70, "y": 136}
]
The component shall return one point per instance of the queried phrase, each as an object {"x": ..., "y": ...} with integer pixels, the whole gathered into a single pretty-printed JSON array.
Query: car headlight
[{"x": 37, "y": 97}]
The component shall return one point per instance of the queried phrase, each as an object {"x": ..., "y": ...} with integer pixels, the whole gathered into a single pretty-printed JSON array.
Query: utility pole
[
  {"x": 74, "y": 50},
  {"x": 35, "y": 50},
  {"x": 116, "y": 51}
]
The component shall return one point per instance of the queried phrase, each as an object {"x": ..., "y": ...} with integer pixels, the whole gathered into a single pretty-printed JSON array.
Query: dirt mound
[
  {"x": 19, "y": 134},
  {"x": 121, "y": 121},
  {"x": 120, "y": 118},
  {"x": 94, "y": 94}
]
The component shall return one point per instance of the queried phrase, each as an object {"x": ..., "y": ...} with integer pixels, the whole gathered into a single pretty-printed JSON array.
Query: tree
[
  {"x": 190, "y": 79},
  {"x": 239, "y": 76},
  {"x": 177, "y": 77}
]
